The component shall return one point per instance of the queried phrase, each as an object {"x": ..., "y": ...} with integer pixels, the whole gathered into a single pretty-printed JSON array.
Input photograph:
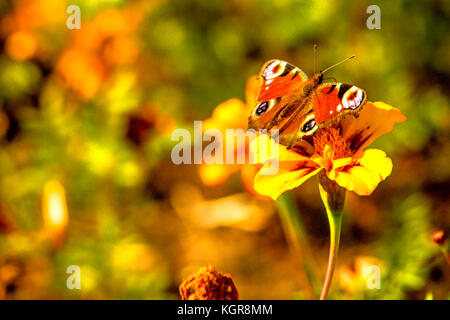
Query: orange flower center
[{"x": 330, "y": 145}]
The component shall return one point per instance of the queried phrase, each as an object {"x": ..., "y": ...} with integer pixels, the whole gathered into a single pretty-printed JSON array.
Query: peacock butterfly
[{"x": 297, "y": 105}]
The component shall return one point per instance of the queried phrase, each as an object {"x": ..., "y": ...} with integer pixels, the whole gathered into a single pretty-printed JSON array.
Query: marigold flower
[
  {"x": 208, "y": 284},
  {"x": 338, "y": 151},
  {"x": 231, "y": 114}
]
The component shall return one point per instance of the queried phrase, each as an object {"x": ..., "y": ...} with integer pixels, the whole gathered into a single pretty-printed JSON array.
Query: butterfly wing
[
  {"x": 326, "y": 104},
  {"x": 280, "y": 78},
  {"x": 298, "y": 106},
  {"x": 332, "y": 101},
  {"x": 278, "y": 95}
]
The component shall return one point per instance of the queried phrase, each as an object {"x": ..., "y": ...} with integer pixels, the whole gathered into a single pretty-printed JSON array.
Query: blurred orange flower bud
[
  {"x": 440, "y": 237},
  {"x": 21, "y": 45},
  {"x": 82, "y": 72},
  {"x": 208, "y": 284}
]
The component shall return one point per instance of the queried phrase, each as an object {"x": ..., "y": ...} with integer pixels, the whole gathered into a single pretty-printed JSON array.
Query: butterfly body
[{"x": 297, "y": 105}]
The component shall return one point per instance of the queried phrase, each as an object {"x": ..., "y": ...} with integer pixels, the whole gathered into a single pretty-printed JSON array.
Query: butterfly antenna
[
  {"x": 315, "y": 54},
  {"x": 336, "y": 64}
]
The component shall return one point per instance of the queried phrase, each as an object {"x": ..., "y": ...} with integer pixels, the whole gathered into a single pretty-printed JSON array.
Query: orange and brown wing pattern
[
  {"x": 298, "y": 106},
  {"x": 280, "y": 78},
  {"x": 330, "y": 102},
  {"x": 278, "y": 98}
]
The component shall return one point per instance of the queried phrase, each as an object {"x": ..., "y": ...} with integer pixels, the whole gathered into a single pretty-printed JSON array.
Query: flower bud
[
  {"x": 208, "y": 284},
  {"x": 440, "y": 237},
  {"x": 332, "y": 194}
]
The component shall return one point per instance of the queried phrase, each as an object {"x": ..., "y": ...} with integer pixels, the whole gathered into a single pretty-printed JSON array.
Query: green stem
[
  {"x": 335, "y": 221},
  {"x": 333, "y": 197},
  {"x": 296, "y": 234}
]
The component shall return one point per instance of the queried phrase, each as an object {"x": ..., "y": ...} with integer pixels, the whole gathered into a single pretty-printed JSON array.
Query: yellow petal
[
  {"x": 365, "y": 173},
  {"x": 374, "y": 120},
  {"x": 290, "y": 175},
  {"x": 342, "y": 162},
  {"x": 231, "y": 114},
  {"x": 263, "y": 148},
  {"x": 248, "y": 173}
]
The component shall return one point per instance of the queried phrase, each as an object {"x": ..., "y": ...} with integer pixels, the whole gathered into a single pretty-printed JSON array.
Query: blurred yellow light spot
[
  {"x": 89, "y": 278},
  {"x": 230, "y": 114},
  {"x": 214, "y": 174},
  {"x": 120, "y": 93},
  {"x": 99, "y": 158},
  {"x": 136, "y": 256},
  {"x": 355, "y": 276},
  {"x": 54, "y": 209},
  {"x": 129, "y": 174}
]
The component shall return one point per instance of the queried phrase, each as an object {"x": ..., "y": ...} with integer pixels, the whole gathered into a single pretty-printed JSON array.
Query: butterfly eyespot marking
[
  {"x": 353, "y": 98},
  {"x": 261, "y": 108},
  {"x": 274, "y": 69},
  {"x": 308, "y": 126}
]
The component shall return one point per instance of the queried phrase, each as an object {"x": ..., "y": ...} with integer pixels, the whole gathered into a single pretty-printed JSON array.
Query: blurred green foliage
[{"x": 146, "y": 67}]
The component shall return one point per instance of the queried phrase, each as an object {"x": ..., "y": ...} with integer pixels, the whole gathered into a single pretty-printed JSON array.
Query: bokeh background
[{"x": 86, "y": 178}]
